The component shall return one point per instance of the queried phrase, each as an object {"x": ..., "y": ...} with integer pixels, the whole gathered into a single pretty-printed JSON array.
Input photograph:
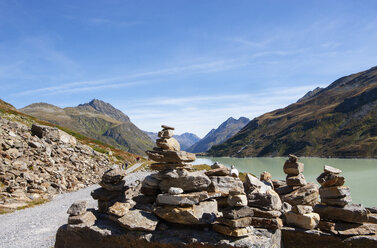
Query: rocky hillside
[
  {"x": 186, "y": 140},
  {"x": 38, "y": 160},
  {"x": 97, "y": 120},
  {"x": 338, "y": 121},
  {"x": 217, "y": 136}
]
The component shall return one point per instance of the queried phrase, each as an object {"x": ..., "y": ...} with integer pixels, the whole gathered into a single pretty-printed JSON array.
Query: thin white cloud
[
  {"x": 199, "y": 114},
  {"x": 212, "y": 66}
]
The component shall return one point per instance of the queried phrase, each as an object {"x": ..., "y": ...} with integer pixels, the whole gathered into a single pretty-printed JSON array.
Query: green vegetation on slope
[{"x": 338, "y": 121}]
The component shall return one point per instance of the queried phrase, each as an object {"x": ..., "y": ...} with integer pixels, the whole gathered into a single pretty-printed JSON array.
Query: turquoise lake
[{"x": 360, "y": 174}]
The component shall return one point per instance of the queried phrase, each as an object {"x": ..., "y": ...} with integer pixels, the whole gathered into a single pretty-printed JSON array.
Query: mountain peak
[{"x": 107, "y": 109}]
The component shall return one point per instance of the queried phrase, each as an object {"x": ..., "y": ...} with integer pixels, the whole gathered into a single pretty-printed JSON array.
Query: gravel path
[{"x": 36, "y": 227}]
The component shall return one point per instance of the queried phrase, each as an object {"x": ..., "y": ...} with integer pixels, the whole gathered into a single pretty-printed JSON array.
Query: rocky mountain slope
[
  {"x": 217, "y": 136},
  {"x": 186, "y": 140},
  {"x": 98, "y": 120},
  {"x": 338, "y": 121},
  {"x": 38, "y": 160}
]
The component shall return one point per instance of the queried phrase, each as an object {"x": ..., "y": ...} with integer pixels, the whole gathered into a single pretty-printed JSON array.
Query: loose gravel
[{"x": 37, "y": 226}]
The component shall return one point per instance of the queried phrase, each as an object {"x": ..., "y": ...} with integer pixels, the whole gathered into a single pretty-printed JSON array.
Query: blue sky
[{"x": 189, "y": 64}]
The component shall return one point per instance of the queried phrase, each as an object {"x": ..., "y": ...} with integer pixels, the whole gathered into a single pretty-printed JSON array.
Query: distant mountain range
[
  {"x": 98, "y": 120},
  {"x": 185, "y": 140},
  {"x": 337, "y": 121},
  {"x": 216, "y": 136}
]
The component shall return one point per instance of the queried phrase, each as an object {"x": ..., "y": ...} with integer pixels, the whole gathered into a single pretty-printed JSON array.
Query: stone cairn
[
  {"x": 111, "y": 191},
  {"x": 295, "y": 190},
  {"x": 336, "y": 199},
  {"x": 298, "y": 195},
  {"x": 214, "y": 197}
]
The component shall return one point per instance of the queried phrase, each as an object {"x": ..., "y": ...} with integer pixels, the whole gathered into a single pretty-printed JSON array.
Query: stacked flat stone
[
  {"x": 236, "y": 215},
  {"x": 111, "y": 191},
  {"x": 302, "y": 216},
  {"x": 336, "y": 199},
  {"x": 294, "y": 170},
  {"x": 78, "y": 214},
  {"x": 295, "y": 190},
  {"x": 263, "y": 201},
  {"x": 338, "y": 215},
  {"x": 167, "y": 154},
  {"x": 332, "y": 190}
]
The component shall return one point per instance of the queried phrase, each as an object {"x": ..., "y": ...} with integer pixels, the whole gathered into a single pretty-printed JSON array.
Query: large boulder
[
  {"x": 269, "y": 200},
  {"x": 225, "y": 184},
  {"x": 202, "y": 214},
  {"x": 188, "y": 181},
  {"x": 138, "y": 220},
  {"x": 53, "y": 133},
  {"x": 351, "y": 213}
]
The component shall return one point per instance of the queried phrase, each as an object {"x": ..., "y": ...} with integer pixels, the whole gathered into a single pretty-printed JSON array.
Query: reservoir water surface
[{"x": 360, "y": 174}]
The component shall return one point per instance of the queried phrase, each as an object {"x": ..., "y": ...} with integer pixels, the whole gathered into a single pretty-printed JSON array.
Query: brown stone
[
  {"x": 202, "y": 214},
  {"x": 237, "y": 212},
  {"x": 218, "y": 172},
  {"x": 338, "y": 202},
  {"x": 168, "y": 144},
  {"x": 254, "y": 185},
  {"x": 120, "y": 186},
  {"x": 266, "y": 214},
  {"x": 302, "y": 209},
  {"x": 330, "y": 179},
  {"x": 167, "y": 127},
  {"x": 306, "y": 221},
  {"x": 293, "y": 168},
  {"x": 233, "y": 232},
  {"x": 87, "y": 218},
  {"x": 170, "y": 166},
  {"x": 297, "y": 180},
  {"x": 334, "y": 192},
  {"x": 171, "y": 156},
  {"x": 188, "y": 181},
  {"x": 139, "y": 220},
  {"x": 119, "y": 209},
  {"x": 347, "y": 229},
  {"x": 166, "y": 133},
  {"x": 306, "y": 195},
  {"x": 275, "y": 223}
]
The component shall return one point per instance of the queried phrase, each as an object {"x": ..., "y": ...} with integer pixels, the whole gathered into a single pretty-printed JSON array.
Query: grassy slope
[
  {"x": 97, "y": 126},
  {"x": 340, "y": 121},
  {"x": 8, "y": 111}
]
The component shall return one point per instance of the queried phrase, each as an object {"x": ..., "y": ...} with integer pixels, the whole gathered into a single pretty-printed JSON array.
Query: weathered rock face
[{"x": 42, "y": 161}]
